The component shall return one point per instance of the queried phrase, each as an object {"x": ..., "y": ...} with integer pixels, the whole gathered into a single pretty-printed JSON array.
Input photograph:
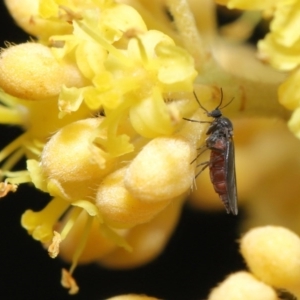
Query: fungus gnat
[{"x": 221, "y": 164}]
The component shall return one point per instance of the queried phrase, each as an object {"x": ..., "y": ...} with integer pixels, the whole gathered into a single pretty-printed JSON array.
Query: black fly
[{"x": 221, "y": 163}]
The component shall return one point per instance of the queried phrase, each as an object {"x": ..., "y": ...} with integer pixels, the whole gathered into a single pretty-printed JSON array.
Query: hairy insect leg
[
  {"x": 205, "y": 148},
  {"x": 196, "y": 121},
  {"x": 206, "y": 164}
]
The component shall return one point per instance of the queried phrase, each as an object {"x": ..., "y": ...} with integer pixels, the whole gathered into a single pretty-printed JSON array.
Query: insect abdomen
[{"x": 218, "y": 171}]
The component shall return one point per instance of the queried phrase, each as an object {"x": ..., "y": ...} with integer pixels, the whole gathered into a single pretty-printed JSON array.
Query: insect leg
[
  {"x": 206, "y": 163},
  {"x": 196, "y": 121},
  {"x": 199, "y": 154}
]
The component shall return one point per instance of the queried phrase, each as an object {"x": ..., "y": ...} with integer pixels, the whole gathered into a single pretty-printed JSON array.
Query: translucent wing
[{"x": 230, "y": 176}]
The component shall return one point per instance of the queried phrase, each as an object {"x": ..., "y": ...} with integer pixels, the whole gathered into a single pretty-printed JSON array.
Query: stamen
[
  {"x": 75, "y": 212},
  {"x": 13, "y": 146},
  {"x": 111, "y": 49},
  {"x": 53, "y": 249},
  {"x": 5, "y": 188},
  {"x": 69, "y": 15},
  {"x": 12, "y": 160},
  {"x": 67, "y": 281},
  {"x": 35, "y": 146},
  {"x": 7, "y": 99},
  {"x": 142, "y": 49},
  {"x": 114, "y": 236},
  {"x": 17, "y": 177},
  {"x": 82, "y": 243},
  {"x": 10, "y": 116}
]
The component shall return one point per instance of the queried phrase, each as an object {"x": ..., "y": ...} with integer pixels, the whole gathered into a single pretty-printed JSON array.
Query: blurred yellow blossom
[
  {"x": 147, "y": 240},
  {"x": 242, "y": 285},
  {"x": 272, "y": 255},
  {"x": 101, "y": 95},
  {"x": 280, "y": 47}
]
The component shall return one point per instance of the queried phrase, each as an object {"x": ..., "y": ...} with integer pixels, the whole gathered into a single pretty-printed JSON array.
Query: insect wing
[{"x": 230, "y": 176}]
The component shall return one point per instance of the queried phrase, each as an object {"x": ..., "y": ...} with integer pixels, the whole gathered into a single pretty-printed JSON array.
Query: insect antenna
[
  {"x": 226, "y": 104},
  {"x": 218, "y": 107},
  {"x": 199, "y": 102}
]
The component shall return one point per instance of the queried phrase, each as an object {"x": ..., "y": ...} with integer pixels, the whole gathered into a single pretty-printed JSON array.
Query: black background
[{"x": 201, "y": 253}]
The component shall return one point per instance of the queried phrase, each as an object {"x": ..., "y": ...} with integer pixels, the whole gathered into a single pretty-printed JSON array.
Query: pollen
[
  {"x": 53, "y": 249},
  {"x": 5, "y": 188},
  {"x": 68, "y": 282}
]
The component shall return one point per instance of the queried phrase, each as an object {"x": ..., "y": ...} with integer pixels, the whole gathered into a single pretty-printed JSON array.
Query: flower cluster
[
  {"x": 89, "y": 101},
  {"x": 101, "y": 95},
  {"x": 280, "y": 48}
]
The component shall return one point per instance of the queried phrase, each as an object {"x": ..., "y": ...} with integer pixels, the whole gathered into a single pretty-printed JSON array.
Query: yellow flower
[
  {"x": 85, "y": 165},
  {"x": 101, "y": 95},
  {"x": 272, "y": 254},
  {"x": 280, "y": 48},
  {"x": 108, "y": 65},
  {"x": 145, "y": 247},
  {"x": 117, "y": 86},
  {"x": 289, "y": 96},
  {"x": 243, "y": 285}
]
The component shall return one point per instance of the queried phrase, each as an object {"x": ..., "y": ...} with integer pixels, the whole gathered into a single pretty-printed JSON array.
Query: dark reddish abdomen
[{"x": 217, "y": 169}]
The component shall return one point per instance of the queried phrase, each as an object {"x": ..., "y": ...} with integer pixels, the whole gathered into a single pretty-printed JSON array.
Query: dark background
[{"x": 201, "y": 253}]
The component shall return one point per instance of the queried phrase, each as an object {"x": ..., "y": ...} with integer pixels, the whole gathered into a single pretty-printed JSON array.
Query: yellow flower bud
[
  {"x": 148, "y": 240},
  {"x": 273, "y": 255},
  {"x": 73, "y": 165},
  {"x": 119, "y": 208},
  {"x": 242, "y": 286},
  {"x": 30, "y": 71},
  {"x": 162, "y": 170}
]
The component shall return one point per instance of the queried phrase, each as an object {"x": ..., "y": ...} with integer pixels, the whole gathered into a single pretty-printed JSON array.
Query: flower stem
[{"x": 186, "y": 25}]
